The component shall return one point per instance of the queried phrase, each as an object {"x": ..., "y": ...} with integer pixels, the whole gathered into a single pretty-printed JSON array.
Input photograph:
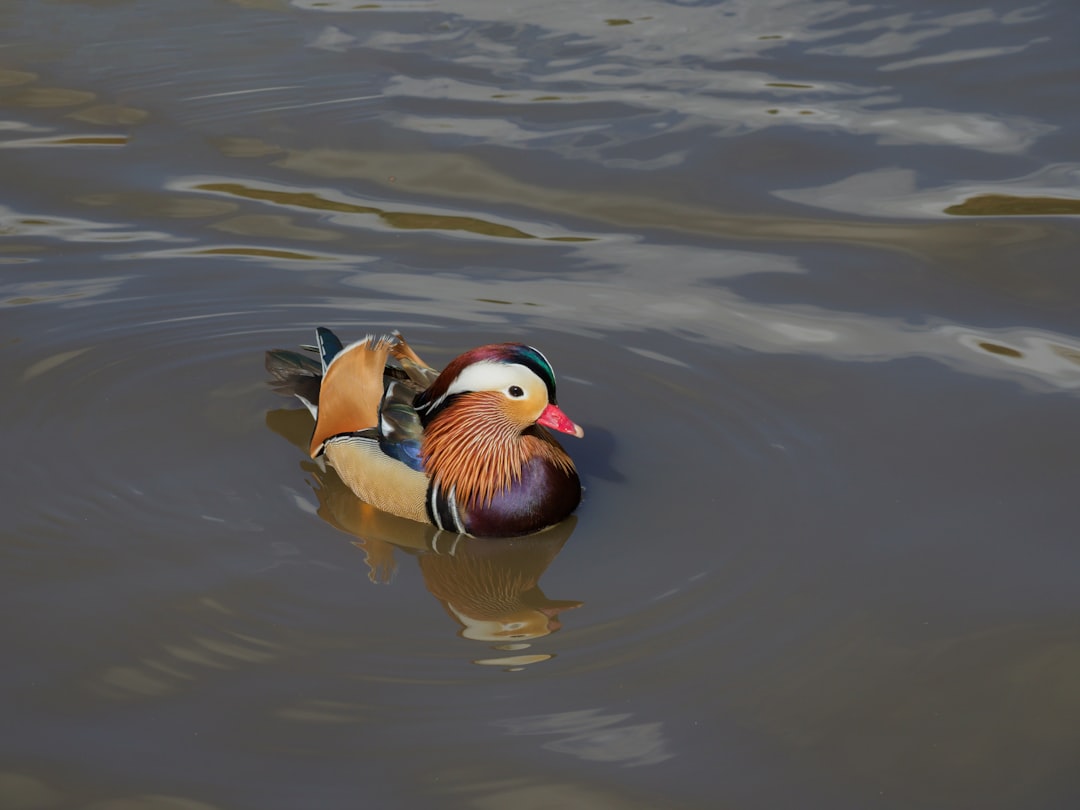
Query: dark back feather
[{"x": 294, "y": 374}]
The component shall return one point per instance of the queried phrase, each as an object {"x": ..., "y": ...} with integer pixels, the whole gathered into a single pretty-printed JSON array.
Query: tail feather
[
  {"x": 329, "y": 346},
  {"x": 295, "y": 374}
]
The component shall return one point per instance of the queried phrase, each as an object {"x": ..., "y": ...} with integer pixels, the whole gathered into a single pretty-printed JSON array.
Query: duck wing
[{"x": 400, "y": 430}]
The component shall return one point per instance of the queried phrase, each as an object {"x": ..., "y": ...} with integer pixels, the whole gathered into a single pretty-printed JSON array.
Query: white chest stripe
[
  {"x": 449, "y": 503},
  {"x": 433, "y": 504},
  {"x": 451, "y": 499}
]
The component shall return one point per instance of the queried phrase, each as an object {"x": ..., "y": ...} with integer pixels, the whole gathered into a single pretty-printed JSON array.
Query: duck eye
[{"x": 515, "y": 391}]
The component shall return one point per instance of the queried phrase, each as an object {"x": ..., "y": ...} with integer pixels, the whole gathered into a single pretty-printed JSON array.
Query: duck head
[{"x": 506, "y": 384}]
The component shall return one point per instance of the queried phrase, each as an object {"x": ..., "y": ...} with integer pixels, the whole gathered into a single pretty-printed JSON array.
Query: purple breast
[{"x": 542, "y": 497}]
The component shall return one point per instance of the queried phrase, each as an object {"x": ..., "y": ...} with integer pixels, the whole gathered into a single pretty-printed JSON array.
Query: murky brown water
[{"x": 807, "y": 273}]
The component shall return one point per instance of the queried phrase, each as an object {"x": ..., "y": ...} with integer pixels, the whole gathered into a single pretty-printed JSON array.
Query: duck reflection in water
[{"x": 490, "y": 588}]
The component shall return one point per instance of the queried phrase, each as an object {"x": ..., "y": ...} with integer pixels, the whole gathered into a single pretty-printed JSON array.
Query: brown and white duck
[{"x": 466, "y": 449}]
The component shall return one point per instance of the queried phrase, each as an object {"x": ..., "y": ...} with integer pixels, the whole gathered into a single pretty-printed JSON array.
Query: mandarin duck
[{"x": 465, "y": 449}]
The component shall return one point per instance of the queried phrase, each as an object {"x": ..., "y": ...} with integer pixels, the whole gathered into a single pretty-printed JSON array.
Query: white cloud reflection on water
[
  {"x": 638, "y": 297},
  {"x": 591, "y": 735},
  {"x": 966, "y": 55},
  {"x": 666, "y": 65},
  {"x": 857, "y": 112},
  {"x": 619, "y": 286},
  {"x": 896, "y": 193},
  {"x": 622, "y": 282},
  {"x": 72, "y": 229}
]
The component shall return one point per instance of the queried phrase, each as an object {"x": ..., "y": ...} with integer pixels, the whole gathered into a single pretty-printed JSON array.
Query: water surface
[{"x": 806, "y": 273}]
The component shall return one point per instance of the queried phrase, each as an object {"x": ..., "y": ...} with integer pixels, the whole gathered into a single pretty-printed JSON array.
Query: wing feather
[{"x": 351, "y": 390}]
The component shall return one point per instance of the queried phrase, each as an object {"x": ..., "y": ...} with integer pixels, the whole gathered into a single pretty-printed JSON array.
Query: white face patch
[{"x": 491, "y": 376}]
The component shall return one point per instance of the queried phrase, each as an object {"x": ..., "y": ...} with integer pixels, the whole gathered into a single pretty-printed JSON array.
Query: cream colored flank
[{"x": 375, "y": 477}]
